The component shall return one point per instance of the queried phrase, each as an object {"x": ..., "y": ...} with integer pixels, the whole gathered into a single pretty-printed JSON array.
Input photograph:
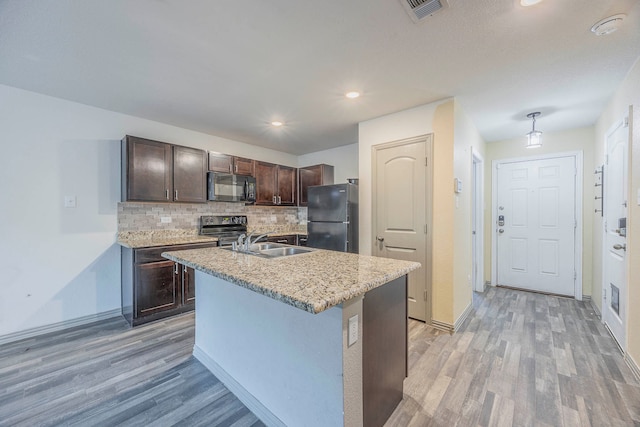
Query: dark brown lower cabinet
[
  {"x": 384, "y": 350},
  {"x": 154, "y": 287}
]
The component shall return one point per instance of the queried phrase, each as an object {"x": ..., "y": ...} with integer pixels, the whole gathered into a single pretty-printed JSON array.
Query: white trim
[
  {"x": 443, "y": 326},
  {"x": 595, "y": 309},
  {"x": 60, "y": 326},
  {"x": 633, "y": 365},
  {"x": 253, "y": 404},
  {"x": 578, "y": 155},
  {"x": 458, "y": 323},
  {"x": 478, "y": 179}
]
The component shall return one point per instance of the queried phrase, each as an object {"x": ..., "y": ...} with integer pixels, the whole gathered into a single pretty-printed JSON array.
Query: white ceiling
[{"x": 228, "y": 68}]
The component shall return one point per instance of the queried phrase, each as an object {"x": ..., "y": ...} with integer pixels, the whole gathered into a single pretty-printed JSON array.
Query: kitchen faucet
[{"x": 248, "y": 242}]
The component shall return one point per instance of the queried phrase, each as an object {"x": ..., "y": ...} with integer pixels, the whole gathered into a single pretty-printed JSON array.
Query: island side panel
[
  {"x": 352, "y": 364},
  {"x": 285, "y": 359},
  {"x": 384, "y": 347}
]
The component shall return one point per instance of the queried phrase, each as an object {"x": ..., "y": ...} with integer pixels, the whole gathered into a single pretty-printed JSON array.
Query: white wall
[
  {"x": 58, "y": 263},
  {"x": 344, "y": 160}
]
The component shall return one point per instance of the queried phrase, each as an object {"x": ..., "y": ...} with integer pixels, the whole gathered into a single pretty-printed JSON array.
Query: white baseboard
[
  {"x": 594, "y": 308},
  {"x": 254, "y": 405},
  {"x": 633, "y": 365},
  {"x": 447, "y": 327},
  {"x": 467, "y": 311},
  {"x": 60, "y": 326}
]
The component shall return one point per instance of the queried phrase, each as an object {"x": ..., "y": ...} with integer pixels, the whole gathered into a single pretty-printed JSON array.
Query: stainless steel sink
[
  {"x": 278, "y": 252},
  {"x": 273, "y": 250}
]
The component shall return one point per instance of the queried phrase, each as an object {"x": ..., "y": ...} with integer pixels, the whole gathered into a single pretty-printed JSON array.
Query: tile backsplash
[{"x": 140, "y": 216}]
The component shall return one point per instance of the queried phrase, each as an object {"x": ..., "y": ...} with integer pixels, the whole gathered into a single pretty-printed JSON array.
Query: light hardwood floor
[
  {"x": 107, "y": 374},
  {"x": 520, "y": 359}
]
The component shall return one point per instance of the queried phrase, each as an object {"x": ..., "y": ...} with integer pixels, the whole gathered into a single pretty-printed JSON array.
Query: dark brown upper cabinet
[
  {"x": 154, "y": 171},
  {"x": 189, "y": 175},
  {"x": 313, "y": 175},
  {"x": 219, "y": 162},
  {"x": 275, "y": 184}
]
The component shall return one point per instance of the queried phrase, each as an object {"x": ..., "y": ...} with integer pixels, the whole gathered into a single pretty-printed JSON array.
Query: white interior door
[
  {"x": 400, "y": 212},
  {"x": 536, "y": 225},
  {"x": 615, "y": 213},
  {"x": 477, "y": 235}
]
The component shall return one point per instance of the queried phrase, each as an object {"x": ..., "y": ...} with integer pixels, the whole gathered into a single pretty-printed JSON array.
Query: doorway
[
  {"x": 537, "y": 217},
  {"x": 477, "y": 221},
  {"x": 614, "y": 286},
  {"x": 401, "y": 217}
]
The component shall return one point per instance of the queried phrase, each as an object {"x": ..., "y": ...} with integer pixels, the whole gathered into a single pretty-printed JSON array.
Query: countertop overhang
[{"x": 313, "y": 282}]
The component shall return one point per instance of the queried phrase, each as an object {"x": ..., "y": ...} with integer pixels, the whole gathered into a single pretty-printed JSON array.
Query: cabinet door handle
[
  {"x": 279, "y": 200},
  {"x": 236, "y": 168},
  {"x": 166, "y": 193},
  {"x": 274, "y": 200},
  {"x": 230, "y": 170},
  {"x": 175, "y": 268},
  {"x": 282, "y": 241},
  {"x": 175, "y": 192}
]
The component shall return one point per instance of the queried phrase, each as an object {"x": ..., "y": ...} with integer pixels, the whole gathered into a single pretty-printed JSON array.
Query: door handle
[
  {"x": 380, "y": 239},
  {"x": 618, "y": 247},
  {"x": 501, "y": 230}
]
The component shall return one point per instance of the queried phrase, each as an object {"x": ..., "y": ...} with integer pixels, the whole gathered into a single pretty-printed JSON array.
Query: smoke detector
[
  {"x": 608, "y": 25},
  {"x": 421, "y": 9}
]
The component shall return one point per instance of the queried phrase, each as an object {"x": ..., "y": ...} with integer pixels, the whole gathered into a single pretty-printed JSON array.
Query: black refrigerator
[{"x": 333, "y": 217}]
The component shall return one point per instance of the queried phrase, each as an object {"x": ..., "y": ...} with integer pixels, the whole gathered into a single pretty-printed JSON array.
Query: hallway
[{"x": 520, "y": 359}]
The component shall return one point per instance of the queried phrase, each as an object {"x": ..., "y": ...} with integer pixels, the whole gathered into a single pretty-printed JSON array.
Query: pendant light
[{"x": 534, "y": 138}]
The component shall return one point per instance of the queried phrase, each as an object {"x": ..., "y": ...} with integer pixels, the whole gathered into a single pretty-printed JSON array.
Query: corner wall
[
  {"x": 62, "y": 264},
  {"x": 450, "y": 295}
]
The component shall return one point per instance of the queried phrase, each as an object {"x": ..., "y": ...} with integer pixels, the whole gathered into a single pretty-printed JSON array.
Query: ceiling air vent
[{"x": 420, "y": 9}]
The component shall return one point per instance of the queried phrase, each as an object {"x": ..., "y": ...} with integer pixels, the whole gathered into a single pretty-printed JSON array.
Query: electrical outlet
[
  {"x": 165, "y": 219},
  {"x": 352, "y": 333}
]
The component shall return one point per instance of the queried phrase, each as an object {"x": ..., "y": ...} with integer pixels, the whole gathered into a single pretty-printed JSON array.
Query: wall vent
[{"x": 418, "y": 10}]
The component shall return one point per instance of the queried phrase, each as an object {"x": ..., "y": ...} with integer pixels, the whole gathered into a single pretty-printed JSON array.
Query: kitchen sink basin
[
  {"x": 273, "y": 250},
  {"x": 278, "y": 252}
]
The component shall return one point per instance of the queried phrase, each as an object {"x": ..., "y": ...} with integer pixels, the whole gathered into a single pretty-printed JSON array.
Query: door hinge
[
  {"x": 626, "y": 122},
  {"x": 425, "y": 229},
  {"x": 575, "y": 275},
  {"x": 426, "y": 161},
  {"x": 425, "y": 295},
  {"x": 575, "y": 223},
  {"x": 606, "y": 159}
]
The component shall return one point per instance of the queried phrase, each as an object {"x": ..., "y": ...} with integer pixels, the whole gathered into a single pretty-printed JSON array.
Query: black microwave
[{"x": 225, "y": 187}]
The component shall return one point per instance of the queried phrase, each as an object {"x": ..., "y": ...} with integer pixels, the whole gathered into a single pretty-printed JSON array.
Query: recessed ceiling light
[
  {"x": 352, "y": 95},
  {"x": 526, "y": 3},
  {"x": 608, "y": 25},
  {"x": 276, "y": 123}
]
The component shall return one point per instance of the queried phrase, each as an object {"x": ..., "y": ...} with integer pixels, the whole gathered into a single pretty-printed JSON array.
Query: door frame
[
  {"x": 428, "y": 215},
  {"x": 625, "y": 321},
  {"x": 477, "y": 201},
  {"x": 495, "y": 164}
]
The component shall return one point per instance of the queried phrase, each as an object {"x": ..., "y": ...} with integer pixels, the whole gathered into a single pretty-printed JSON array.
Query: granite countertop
[
  {"x": 153, "y": 238},
  {"x": 313, "y": 281}
]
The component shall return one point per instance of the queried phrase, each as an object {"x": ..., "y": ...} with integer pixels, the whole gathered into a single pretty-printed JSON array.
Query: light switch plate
[
  {"x": 352, "y": 333},
  {"x": 69, "y": 201}
]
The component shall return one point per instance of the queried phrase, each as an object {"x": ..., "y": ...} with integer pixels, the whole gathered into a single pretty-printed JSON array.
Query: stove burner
[{"x": 226, "y": 228}]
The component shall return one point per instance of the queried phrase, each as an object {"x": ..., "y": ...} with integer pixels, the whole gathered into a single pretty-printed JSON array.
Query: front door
[
  {"x": 536, "y": 224},
  {"x": 615, "y": 213},
  {"x": 400, "y": 213}
]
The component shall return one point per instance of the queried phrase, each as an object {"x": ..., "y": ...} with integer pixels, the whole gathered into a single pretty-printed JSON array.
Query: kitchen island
[{"x": 318, "y": 338}]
